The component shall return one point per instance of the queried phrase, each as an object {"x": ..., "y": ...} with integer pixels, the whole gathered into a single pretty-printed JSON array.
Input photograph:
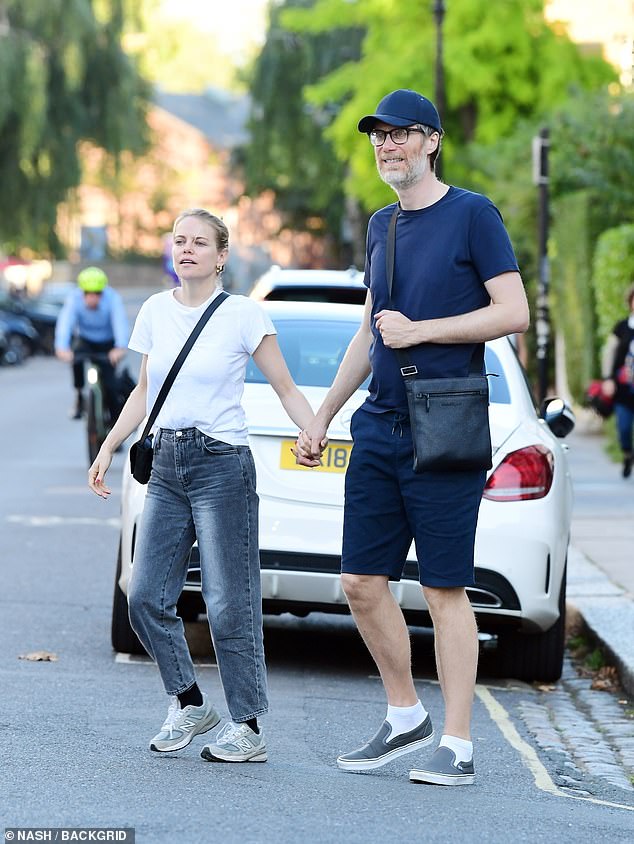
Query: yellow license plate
[{"x": 334, "y": 459}]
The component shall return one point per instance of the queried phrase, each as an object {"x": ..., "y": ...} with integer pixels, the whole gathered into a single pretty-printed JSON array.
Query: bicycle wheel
[{"x": 92, "y": 428}]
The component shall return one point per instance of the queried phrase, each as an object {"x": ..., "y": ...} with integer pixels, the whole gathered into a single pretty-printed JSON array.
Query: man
[
  {"x": 456, "y": 284},
  {"x": 93, "y": 319}
]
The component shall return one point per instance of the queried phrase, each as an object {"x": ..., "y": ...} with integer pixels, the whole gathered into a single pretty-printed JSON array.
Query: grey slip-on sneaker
[
  {"x": 381, "y": 749},
  {"x": 442, "y": 769}
]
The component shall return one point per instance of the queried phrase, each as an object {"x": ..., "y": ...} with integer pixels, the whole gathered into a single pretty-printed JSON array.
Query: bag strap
[
  {"x": 408, "y": 368},
  {"x": 180, "y": 360}
]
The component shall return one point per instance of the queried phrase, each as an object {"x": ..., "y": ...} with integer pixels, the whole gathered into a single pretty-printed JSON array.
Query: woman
[
  {"x": 202, "y": 487},
  {"x": 618, "y": 374}
]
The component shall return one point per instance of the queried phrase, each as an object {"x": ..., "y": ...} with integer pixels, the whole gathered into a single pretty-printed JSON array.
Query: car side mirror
[{"x": 558, "y": 415}]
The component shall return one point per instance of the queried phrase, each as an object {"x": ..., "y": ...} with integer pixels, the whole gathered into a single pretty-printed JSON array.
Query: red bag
[{"x": 597, "y": 399}]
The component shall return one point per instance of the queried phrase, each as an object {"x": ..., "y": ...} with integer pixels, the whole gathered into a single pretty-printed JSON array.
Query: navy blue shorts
[{"x": 388, "y": 505}]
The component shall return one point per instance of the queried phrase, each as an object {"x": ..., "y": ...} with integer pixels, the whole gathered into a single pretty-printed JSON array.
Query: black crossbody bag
[
  {"x": 449, "y": 417},
  {"x": 142, "y": 451}
]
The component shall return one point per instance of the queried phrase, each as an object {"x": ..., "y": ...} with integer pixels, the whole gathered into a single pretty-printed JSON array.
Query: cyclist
[{"x": 93, "y": 320}]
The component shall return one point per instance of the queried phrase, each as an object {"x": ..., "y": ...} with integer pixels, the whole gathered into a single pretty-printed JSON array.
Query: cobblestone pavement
[{"x": 587, "y": 734}]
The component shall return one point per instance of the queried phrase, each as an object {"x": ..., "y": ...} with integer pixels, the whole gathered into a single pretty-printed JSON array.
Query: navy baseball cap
[{"x": 402, "y": 108}]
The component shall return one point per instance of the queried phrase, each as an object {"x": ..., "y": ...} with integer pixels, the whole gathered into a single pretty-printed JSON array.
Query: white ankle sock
[
  {"x": 462, "y": 748},
  {"x": 402, "y": 719}
]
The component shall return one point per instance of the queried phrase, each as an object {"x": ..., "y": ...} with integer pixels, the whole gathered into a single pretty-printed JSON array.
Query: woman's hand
[
  {"x": 97, "y": 473},
  {"x": 609, "y": 387}
]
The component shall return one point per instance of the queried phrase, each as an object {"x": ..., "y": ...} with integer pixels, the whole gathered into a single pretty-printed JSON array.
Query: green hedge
[
  {"x": 571, "y": 298},
  {"x": 613, "y": 274}
]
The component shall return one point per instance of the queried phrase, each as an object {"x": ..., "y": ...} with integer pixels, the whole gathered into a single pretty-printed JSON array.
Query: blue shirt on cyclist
[{"x": 103, "y": 321}]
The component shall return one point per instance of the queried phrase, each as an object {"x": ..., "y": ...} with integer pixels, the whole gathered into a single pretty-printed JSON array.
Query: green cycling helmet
[{"x": 92, "y": 280}]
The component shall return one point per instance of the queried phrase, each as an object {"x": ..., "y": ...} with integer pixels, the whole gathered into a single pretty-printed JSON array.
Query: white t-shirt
[{"x": 208, "y": 388}]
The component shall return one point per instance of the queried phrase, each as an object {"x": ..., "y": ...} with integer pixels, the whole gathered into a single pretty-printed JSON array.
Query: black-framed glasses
[{"x": 399, "y": 135}]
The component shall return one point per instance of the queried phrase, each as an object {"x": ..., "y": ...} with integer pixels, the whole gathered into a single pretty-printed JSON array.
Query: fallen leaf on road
[
  {"x": 547, "y": 688},
  {"x": 39, "y": 656},
  {"x": 606, "y": 680}
]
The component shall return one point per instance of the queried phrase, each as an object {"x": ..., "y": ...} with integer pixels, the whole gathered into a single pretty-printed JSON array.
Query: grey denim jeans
[{"x": 202, "y": 489}]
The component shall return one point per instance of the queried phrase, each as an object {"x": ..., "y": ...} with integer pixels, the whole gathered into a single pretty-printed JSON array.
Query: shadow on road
[{"x": 331, "y": 642}]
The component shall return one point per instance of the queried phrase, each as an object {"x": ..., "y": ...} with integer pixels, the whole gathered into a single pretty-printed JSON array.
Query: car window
[
  {"x": 313, "y": 350},
  {"x": 344, "y": 295},
  {"x": 498, "y": 386}
]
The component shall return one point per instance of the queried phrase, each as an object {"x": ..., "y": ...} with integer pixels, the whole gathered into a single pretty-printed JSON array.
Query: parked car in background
[
  {"x": 4, "y": 347},
  {"x": 523, "y": 530},
  {"x": 41, "y": 310},
  {"x": 345, "y": 286},
  {"x": 22, "y": 338}
]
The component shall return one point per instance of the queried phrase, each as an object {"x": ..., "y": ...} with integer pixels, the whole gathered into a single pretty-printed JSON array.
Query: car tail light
[{"x": 522, "y": 475}]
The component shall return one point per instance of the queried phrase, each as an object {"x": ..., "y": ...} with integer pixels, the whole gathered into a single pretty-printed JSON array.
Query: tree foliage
[
  {"x": 64, "y": 77},
  {"x": 502, "y": 64},
  {"x": 571, "y": 295},
  {"x": 613, "y": 276},
  {"x": 288, "y": 152},
  {"x": 176, "y": 54}
]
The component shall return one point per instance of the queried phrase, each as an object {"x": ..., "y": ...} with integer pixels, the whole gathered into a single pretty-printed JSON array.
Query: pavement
[{"x": 601, "y": 559}]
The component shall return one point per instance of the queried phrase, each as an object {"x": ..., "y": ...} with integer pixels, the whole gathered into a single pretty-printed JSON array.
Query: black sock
[
  {"x": 253, "y": 723},
  {"x": 192, "y": 697}
]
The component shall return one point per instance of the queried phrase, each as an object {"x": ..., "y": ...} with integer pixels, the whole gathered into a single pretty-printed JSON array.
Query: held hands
[
  {"x": 396, "y": 330},
  {"x": 310, "y": 445},
  {"x": 97, "y": 472}
]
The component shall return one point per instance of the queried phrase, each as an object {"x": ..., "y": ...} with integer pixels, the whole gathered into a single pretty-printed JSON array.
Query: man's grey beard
[{"x": 413, "y": 174}]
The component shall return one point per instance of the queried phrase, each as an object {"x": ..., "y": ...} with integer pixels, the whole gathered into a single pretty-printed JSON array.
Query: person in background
[
  {"x": 202, "y": 487},
  {"x": 93, "y": 319},
  {"x": 618, "y": 374},
  {"x": 456, "y": 284}
]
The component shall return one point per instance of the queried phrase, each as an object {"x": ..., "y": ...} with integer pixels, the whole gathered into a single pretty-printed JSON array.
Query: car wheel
[
  {"x": 124, "y": 639},
  {"x": 17, "y": 349},
  {"x": 537, "y": 656}
]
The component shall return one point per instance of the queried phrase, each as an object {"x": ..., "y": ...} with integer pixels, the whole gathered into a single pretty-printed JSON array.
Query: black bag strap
[
  {"x": 180, "y": 360},
  {"x": 408, "y": 368}
]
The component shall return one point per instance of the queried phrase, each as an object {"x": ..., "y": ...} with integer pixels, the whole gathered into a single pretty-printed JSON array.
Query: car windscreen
[
  {"x": 332, "y": 293},
  {"x": 313, "y": 350}
]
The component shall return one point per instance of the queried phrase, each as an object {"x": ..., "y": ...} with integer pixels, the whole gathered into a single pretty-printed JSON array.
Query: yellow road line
[{"x": 541, "y": 776}]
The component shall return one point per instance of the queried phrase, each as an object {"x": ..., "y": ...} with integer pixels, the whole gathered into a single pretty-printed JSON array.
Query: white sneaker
[
  {"x": 236, "y": 743},
  {"x": 181, "y": 725}
]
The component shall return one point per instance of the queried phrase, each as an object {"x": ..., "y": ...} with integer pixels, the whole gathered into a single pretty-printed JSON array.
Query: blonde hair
[{"x": 222, "y": 232}]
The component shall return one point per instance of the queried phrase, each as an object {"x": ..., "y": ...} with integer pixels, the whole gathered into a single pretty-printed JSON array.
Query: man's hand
[
  {"x": 310, "y": 445},
  {"x": 116, "y": 354},
  {"x": 64, "y": 355},
  {"x": 396, "y": 330}
]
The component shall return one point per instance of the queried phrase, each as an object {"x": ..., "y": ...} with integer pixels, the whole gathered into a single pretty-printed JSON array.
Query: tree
[
  {"x": 64, "y": 77},
  {"x": 288, "y": 152},
  {"x": 176, "y": 54},
  {"x": 501, "y": 67}
]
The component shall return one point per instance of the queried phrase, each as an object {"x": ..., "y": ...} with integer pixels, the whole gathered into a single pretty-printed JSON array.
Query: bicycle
[{"x": 97, "y": 402}]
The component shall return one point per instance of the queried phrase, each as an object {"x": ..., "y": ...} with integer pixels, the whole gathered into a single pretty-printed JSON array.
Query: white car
[
  {"x": 523, "y": 528},
  {"x": 295, "y": 285}
]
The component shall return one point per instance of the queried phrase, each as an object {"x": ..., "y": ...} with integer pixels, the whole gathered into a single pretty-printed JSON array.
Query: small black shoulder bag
[
  {"x": 449, "y": 417},
  {"x": 142, "y": 452}
]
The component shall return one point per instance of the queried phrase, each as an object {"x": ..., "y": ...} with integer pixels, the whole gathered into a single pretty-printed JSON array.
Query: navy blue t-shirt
[{"x": 444, "y": 254}]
